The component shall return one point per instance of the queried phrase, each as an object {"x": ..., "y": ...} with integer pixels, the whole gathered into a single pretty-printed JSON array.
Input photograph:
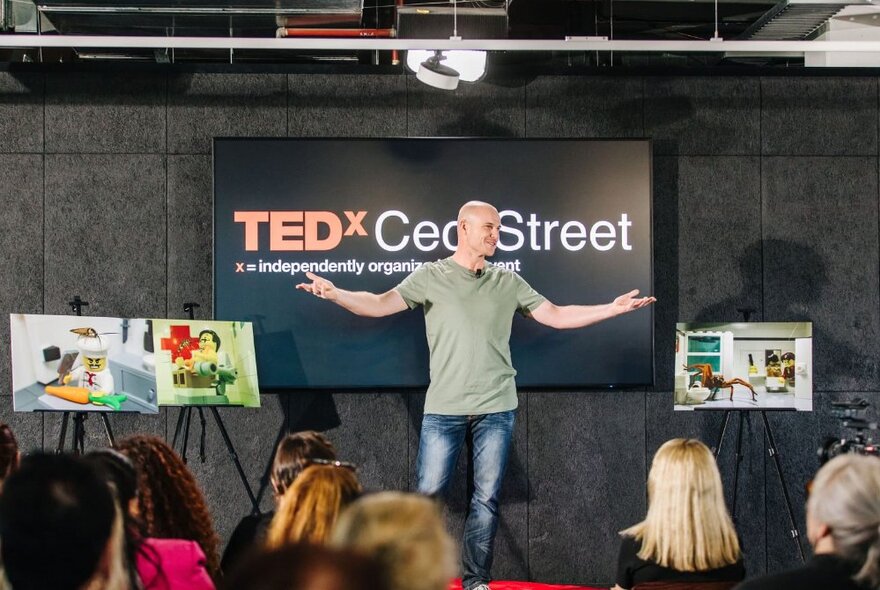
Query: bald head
[
  {"x": 478, "y": 228},
  {"x": 469, "y": 209}
]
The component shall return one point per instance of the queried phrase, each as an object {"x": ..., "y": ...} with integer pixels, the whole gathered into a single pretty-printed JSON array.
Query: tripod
[
  {"x": 183, "y": 421},
  {"x": 774, "y": 452},
  {"x": 771, "y": 448},
  {"x": 79, "y": 418}
]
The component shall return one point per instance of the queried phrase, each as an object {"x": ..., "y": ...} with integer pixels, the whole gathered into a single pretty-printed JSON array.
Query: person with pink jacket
[{"x": 152, "y": 563}]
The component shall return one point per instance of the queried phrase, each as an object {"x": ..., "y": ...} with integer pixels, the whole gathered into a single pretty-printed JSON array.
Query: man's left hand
[{"x": 629, "y": 302}]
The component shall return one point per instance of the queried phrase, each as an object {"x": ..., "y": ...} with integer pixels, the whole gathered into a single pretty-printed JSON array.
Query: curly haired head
[
  {"x": 170, "y": 502},
  {"x": 308, "y": 510},
  {"x": 293, "y": 455},
  {"x": 9, "y": 455}
]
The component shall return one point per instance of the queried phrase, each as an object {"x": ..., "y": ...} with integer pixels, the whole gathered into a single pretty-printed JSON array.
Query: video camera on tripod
[{"x": 851, "y": 415}]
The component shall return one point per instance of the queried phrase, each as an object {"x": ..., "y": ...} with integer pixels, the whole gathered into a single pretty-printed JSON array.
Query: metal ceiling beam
[
  {"x": 294, "y": 44},
  {"x": 207, "y": 10}
]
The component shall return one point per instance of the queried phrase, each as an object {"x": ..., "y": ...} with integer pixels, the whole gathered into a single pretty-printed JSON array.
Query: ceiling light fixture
[
  {"x": 433, "y": 73},
  {"x": 470, "y": 65},
  {"x": 442, "y": 76}
]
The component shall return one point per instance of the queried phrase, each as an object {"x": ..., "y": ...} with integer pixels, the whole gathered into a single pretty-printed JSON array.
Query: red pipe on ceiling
[{"x": 335, "y": 33}]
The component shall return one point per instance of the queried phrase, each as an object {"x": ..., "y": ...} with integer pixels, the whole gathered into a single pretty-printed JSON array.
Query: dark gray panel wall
[
  {"x": 702, "y": 116},
  {"x": 346, "y": 106},
  {"x": 765, "y": 196},
  {"x": 95, "y": 113},
  {"x": 190, "y": 223},
  {"x": 822, "y": 223},
  {"x": 819, "y": 116},
  {"x": 475, "y": 110},
  {"x": 105, "y": 233},
  {"x": 594, "y": 106},
  {"x": 21, "y": 113},
  {"x": 586, "y": 481},
  {"x": 21, "y": 241},
  {"x": 204, "y": 106}
]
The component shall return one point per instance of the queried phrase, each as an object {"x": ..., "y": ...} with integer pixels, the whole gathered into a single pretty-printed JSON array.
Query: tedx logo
[{"x": 299, "y": 231}]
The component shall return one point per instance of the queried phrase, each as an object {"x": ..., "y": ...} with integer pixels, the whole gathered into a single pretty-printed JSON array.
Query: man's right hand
[{"x": 319, "y": 287}]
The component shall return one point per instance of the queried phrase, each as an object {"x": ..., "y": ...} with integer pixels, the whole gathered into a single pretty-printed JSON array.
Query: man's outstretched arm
[
  {"x": 578, "y": 316},
  {"x": 358, "y": 302}
]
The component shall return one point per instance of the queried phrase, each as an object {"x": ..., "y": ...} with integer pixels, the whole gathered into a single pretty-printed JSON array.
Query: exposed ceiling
[{"x": 635, "y": 20}]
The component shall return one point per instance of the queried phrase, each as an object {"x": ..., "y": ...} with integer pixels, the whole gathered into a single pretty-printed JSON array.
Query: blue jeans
[{"x": 439, "y": 446}]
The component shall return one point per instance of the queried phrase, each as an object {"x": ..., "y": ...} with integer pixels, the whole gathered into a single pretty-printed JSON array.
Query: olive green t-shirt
[{"x": 468, "y": 320}]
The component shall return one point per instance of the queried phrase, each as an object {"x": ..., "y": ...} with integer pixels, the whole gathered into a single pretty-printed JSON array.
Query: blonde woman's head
[
  {"x": 308, "y": 510},
  {"x": 687, "y": 527},
  {"x": 406, "y": 533},
  {"x": 844, "y": 506}
]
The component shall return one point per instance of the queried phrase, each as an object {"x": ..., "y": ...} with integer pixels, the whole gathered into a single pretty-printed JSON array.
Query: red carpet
[{"x": 514, "y": 585}]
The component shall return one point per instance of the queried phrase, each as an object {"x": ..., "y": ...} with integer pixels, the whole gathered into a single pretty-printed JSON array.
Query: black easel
[
  {"x": 79, "y": 418},
  {"x": 183, "y": 422},
  {"x": 771, "y": 448}
]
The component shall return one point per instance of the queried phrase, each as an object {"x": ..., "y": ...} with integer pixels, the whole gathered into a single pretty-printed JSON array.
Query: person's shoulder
[
  {"x": 174, "y": 547},
  {"x": 439, "y": 264},
  {"x": 499, "y": 270},
  {"x": 798, "y": 578},
  {"x": 764, "y": 583},
  {"x": 173, "y": 563},
  {"x": 251, "y": 520},
  {"x": 503, "y": 273},
  {"x": 432, "y": 266},
  {"x": 443, "y": 267},
  {"x": 629, "y": 545}
]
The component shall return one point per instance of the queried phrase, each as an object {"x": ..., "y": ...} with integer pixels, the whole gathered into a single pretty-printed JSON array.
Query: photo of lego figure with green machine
[{"x": 205, "y": 363}]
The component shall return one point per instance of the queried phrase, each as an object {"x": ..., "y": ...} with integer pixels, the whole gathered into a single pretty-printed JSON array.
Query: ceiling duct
[
  {"x": 436, "y": 22},
  {"x": 791, "y": 21},
  {"x": 196, "y": 18}
]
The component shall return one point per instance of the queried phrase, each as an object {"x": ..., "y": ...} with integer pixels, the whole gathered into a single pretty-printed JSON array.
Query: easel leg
[
  {"x": 717, "y": 450},
  {"x": 64, "y": 418},
  {"x": 267, "y": 473},
  {"x": 186, "y": 433},
  {"x": 255, "y": 507},
  {"x": 178, "y": 429},
  {"x": 774, "y": 452},
  {"x": 79, "y": 433},
  {"x": 202, "y": 435},
  {"x": 107, "y": 430},
  {"x": 736, "y": 464}
]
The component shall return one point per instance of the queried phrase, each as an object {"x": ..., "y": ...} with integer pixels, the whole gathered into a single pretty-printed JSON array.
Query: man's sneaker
[{"x": 481, "y": 587}]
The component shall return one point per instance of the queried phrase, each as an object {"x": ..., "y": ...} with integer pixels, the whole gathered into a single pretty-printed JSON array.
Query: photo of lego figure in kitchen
[
  {"x": 82, "y": 364},
  {"x": 205, "y": 363},
  {"x": 744, "y": 366}
]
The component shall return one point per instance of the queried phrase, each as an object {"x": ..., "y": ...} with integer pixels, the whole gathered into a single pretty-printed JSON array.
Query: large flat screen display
[{"x": 576, "y": 224}]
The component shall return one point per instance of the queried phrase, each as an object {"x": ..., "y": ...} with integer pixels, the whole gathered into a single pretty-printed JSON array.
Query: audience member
[
  {"x": 843, "y": 526},
  {"x": 169, "y": 501},
  {"x": 291, "y": 456},
  {"x": 9, "y": 453},
  {"x": 152, "y": 564},
  {"x": 306, "y": 567},
  {"x": 687, "y": 535},
  {"x": 309, "y": 508},
  {"x": 60, "y": 527},
  {"x": 406, "y": 534}
]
